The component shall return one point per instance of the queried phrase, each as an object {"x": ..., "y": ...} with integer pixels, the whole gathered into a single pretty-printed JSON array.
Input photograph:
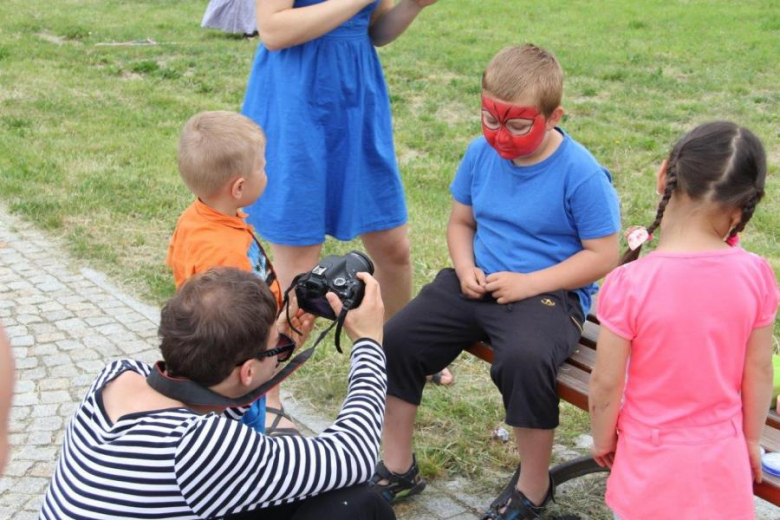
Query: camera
[{"x": 337, "y": 274}]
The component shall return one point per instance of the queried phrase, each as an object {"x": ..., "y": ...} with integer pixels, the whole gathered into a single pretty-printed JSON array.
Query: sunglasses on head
[{"x": 283, "y": 350}]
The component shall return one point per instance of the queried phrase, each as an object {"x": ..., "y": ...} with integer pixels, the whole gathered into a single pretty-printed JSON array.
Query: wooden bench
[{"x": 573, "y": 382}]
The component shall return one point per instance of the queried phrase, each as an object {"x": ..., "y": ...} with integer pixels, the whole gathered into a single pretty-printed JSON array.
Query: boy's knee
[{"x": 524, "y": 361}]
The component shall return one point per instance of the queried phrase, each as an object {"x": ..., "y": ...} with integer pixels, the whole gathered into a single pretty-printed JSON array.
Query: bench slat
[
  {"x": 769, "y": 489},
  {"x": 590, "y": 333},
  {"x": 584, "y": 357},
  {"x": 773, "y": 420},
  {"x": 573, "y": 385}
]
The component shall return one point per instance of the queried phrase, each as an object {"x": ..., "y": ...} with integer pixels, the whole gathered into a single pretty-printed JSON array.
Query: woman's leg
[
  {"x": 391, "y": 253},
  {"x": 288, "y": 262}
]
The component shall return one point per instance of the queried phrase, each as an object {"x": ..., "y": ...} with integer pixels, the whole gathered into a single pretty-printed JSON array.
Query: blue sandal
[
  {"x": 398, "y": 485},
  {"x": 517, "y": 506}
]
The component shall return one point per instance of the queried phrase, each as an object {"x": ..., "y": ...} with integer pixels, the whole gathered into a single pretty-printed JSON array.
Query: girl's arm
[
  {"x": 606, "y": 392},
  {"x": 757, "y": 393},
  {"x": 281, "y": 26},
  {"x": 389, "y": 22},
  {"x": 460, "y": 241}
]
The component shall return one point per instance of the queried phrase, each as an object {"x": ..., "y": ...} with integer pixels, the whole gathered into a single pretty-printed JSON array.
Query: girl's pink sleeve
[
  {"x": 614, "y": 308},
  {"x": 768, "y": 309}
]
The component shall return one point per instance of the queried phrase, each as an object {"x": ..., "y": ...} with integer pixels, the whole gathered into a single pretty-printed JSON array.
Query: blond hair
[
  {"x": 525, "y": 70},
  {"x": 216, "y": 147}
]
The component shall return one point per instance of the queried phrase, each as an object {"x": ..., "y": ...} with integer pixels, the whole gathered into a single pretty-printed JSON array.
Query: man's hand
[
  {"x": 605, "y": 455},
  {"x": 424, "y": 3},
  {"x": 472, "y": 282},
  {"x": 366, "y": 321},
  {"x": 303, "y": 321},
  {"x": 509, "y": 287},
  {"x": 754, "y": 451}
]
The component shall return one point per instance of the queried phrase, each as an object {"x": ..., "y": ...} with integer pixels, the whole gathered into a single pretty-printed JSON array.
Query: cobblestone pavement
[{"x": 65, "y": 323}]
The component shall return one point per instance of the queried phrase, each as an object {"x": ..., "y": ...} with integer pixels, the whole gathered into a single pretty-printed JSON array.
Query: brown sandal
[{"x": 274, "y": 430}]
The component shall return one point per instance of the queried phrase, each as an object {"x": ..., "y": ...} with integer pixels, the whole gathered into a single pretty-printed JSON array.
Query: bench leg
[{"x": 574, "y": 469}]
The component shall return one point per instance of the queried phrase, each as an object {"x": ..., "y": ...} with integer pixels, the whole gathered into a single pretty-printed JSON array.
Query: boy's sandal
[
  {"x": 274, "y": 430},
  {"x": 398, "y": 485},
  {"x": 517, "y": 506}
]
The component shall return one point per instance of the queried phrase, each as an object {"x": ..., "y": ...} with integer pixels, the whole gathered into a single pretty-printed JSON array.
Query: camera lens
[{"x": 360, "y": 262}]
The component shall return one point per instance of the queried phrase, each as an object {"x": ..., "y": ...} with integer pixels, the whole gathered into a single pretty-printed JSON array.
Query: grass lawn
[{"x": 88, "y": 135}]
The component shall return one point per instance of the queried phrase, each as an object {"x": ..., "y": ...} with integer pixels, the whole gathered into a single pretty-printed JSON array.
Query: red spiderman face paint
[{"x": 513, "y": 130}]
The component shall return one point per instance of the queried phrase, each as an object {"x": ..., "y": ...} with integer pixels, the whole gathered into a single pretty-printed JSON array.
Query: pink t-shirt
[{"x": 681, "y": 452}]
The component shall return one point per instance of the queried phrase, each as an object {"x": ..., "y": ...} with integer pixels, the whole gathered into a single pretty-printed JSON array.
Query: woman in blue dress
[{"x": 318, "y": 91}]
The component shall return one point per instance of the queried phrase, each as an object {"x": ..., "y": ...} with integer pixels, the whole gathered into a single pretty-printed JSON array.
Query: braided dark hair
[{"x": 717, "y": 161}]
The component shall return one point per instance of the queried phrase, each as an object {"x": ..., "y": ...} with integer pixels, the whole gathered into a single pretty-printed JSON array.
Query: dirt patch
[{"x": 51, "y": 38}]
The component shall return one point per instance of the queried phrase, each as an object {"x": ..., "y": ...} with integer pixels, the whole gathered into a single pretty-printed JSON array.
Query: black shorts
[{"x": 531, "y": 339}]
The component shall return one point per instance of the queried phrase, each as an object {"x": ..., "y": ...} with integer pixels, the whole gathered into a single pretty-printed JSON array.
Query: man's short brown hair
[
  {"x": 217, "y": 319},
  {"x": 528, "y": 71},
  {"x": 216, "y": 147}
]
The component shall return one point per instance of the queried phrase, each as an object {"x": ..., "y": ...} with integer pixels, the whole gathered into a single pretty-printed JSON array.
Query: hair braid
[
  {"x": 747, "y": 213},
  {"x": 671, "y": 183}
]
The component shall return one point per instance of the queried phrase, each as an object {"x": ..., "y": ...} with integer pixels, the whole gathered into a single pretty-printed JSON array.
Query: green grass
[{"x": 88, "y": 135}]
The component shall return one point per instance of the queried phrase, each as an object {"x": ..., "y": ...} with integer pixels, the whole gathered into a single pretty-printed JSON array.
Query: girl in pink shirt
[{"x": 683, "y": 376}]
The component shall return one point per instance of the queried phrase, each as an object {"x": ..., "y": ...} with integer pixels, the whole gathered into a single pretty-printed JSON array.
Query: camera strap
[{"x": 192, "y": 393}]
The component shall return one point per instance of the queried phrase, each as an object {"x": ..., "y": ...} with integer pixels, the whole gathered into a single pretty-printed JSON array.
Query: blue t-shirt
[{"x": 533, "y": 217}]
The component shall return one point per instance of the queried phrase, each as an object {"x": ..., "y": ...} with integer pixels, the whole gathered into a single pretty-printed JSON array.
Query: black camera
[{"x": 337, "y": 274}]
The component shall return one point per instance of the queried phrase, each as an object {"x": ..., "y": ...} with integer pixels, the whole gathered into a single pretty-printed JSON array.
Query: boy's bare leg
[
  {"x": 391, "y": 253},
  {"x": 288, "y": 262},
  {"x": 399, "y": 427},
  {"x": 535, "y": 448}
]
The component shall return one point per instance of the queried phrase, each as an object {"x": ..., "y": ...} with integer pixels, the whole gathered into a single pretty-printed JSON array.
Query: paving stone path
[{"x": 66, "y": 322}]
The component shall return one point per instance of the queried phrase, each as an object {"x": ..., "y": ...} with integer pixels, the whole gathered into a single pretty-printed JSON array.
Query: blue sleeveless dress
[{"x": 331, "y": 163}]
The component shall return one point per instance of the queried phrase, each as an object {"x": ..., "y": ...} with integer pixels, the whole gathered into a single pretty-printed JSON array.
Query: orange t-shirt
[{"x": 205, "y": 238}]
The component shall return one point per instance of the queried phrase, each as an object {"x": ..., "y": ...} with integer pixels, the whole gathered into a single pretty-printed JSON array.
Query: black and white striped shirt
[{"x": 176, "y": 463}]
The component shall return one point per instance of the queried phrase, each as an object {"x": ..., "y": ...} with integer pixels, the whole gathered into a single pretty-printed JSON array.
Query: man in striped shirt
[{"x": 133, "y": 452}]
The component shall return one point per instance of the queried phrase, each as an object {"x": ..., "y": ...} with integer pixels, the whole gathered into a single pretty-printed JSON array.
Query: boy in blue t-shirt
[{"x": 534, "y": 224}]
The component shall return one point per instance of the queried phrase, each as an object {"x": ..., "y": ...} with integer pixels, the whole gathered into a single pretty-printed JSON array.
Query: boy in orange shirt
[{"x": 222, "y": 161}]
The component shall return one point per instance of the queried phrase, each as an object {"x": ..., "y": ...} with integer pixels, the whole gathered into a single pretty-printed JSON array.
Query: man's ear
[
  {"x": 246, "y": 373},
  {"x": 554, "y": 118},
  {"x": 660, "y": 177},
  {"x": 237, "y": 187}
]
